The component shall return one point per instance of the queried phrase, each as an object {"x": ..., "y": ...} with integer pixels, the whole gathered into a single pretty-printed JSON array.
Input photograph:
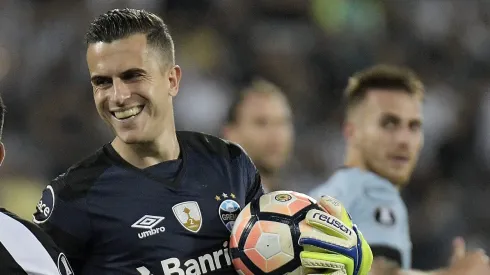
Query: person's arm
[
  {"x": 418, "y": 272},
  {"x": 462, "y": 262},
  {"x": 62, "y": 213},
  {"x": 249, "y": 173},
  {"x": 342, "y": 187},
  {"x": 58, "y": 257},
  {"x": 26, "y": 249}
]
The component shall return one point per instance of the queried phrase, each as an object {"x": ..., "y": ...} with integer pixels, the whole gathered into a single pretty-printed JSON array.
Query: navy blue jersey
[{"x": 171, "y": 218}]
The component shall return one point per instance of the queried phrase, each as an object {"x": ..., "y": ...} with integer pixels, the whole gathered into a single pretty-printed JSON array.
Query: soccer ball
[{"x": 264, "y": 238}]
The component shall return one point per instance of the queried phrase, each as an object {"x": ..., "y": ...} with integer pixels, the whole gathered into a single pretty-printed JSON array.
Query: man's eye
[
  {"x": 415, "y": 126},
  {"x": 102, "y": 82},
  {"x": 131, "y": 76},
  {"x": 389, "y": 124}
]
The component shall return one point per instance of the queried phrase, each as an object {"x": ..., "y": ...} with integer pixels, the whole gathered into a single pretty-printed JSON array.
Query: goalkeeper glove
[{"x": 332, "y": 244}]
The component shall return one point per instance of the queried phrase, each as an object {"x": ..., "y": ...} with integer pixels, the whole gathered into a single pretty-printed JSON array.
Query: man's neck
[
  {"x": 352, "y": 159},
  {"x": 144, "y": 155}
]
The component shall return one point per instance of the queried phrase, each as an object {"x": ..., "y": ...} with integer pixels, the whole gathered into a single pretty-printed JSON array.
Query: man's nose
[{"x": 120, "y": 92}]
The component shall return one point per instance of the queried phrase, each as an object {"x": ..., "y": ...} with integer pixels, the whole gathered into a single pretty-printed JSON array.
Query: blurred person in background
[
  {"x": 260, "y": 120},
  {"x": 24, "y": 247},
  {"x": 384, "y": 136}
]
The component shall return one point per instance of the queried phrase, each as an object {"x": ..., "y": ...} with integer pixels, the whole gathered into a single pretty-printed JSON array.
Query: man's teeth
[{"x": 128, "y": 113}]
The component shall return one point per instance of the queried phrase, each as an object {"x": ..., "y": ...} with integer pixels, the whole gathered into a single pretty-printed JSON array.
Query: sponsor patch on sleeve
[{"x": 45, "y": 206}]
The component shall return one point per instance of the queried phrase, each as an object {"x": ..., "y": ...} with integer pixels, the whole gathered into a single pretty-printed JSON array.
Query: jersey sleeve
[
  {"x": 251, "y": 176},
  {"x": 58, "y": 257},
  {"x": 62, "y": 213},
  {"x": 381, "y": 217},
  {"x": 339, "y": 191},
  {"x": 29, "y": 249},
  {"x": 256, "y": 190}
]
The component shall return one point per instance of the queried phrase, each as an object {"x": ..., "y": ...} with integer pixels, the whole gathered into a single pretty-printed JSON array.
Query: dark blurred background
[{"x": 308, "y": 48}]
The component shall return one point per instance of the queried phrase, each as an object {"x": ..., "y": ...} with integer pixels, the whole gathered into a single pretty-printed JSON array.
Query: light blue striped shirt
[{"x": 376, "y": 208}]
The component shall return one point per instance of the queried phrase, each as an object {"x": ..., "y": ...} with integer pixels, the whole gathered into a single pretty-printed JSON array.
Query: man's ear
[
  {"x": 174, "y": 77},
  {"x": 351, "y": 128},
  {"x": 2, "y": 153},
  {"x": 348, "y": 130}
]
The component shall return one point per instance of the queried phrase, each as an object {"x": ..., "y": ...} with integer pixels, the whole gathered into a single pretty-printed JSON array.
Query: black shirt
[
  {"x": 171, "y": 218},
  {"x": 26, "y": 249}
]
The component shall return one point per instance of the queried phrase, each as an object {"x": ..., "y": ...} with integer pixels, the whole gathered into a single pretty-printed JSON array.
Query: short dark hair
[
  {"x": 3, "y": 109},
  {"x": 384, "y": 77},
  {"x": 258, "y": 85},
  {"x": 120, "y": 23}
]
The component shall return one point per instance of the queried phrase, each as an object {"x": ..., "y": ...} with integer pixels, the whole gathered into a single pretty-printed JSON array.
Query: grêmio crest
[{"x": 228, "y": 210}]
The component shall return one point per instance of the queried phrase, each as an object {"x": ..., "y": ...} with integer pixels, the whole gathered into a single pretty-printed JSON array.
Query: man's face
[
  {"x": 264, "y": 129},
  {"x": 388, "y": 133},
  {"x": 133, "y": 89}
]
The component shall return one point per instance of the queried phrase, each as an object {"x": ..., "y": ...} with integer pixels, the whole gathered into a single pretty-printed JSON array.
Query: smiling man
[
  {"x": 384, "y": 136},
  {"x": 156, "y": 200},
  {"x": 151, "y": 201}
]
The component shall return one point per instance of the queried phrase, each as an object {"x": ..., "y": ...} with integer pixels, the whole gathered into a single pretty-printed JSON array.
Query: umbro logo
[{"x": 149, "y": 222}]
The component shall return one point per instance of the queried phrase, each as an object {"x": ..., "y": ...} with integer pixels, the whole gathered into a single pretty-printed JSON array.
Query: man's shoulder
[
  {"x": 370, "y": 192},
  {"x": 29, "y": 248},
  {"x": 360, "y": 179},
  {"x": 10, "y": 217},
  {"x": 350, "y": 184},
  {"x": 209, "y": 144},
  {"x": 226, "y": 156},
  {"x": 73, "y": 185},
  {"x": 82, "y": 174},
  {"x": 344, "y": 181}
]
